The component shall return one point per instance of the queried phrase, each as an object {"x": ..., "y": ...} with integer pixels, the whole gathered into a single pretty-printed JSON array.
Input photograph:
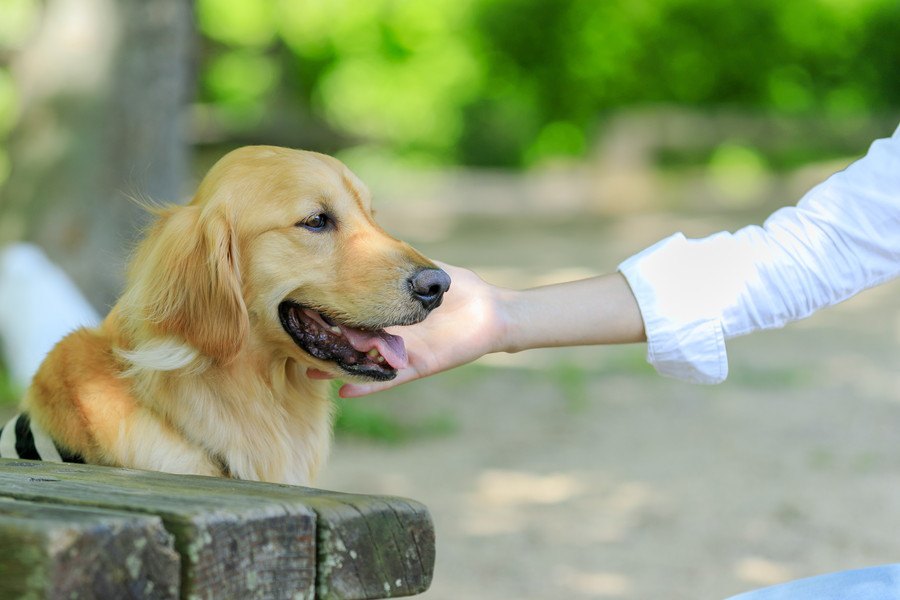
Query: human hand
[
  {"x": 477, "y": 318},
  {"x": 466, "y": 326}
]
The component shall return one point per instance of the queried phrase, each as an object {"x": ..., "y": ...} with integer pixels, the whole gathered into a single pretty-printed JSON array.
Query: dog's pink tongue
[{"x": 391, "y": 347}]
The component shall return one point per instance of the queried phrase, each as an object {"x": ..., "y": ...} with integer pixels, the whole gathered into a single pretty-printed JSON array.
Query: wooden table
[{"x": 79, "y": 531}]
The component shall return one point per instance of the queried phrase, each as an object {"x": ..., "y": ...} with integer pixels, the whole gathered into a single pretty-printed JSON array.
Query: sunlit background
[{"x": 533, "y": 141}]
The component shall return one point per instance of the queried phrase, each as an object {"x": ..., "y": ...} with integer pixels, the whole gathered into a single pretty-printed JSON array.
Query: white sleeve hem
[{"x": 692, "y": 350}]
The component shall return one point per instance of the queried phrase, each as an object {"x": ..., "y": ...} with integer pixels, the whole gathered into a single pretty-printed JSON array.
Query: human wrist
[{"x": 505, "y": 311}]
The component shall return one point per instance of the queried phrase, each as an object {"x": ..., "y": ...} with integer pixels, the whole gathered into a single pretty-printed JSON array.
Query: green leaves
[{"x": 517, "y": 82}]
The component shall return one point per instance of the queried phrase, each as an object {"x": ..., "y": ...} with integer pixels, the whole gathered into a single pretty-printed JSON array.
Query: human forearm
[{"x": 599, "y": 310}]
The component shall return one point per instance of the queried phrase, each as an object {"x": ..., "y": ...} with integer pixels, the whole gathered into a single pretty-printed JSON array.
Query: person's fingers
[
  {"x": 317, "y": 374},
  {"x": 355, "y": 390}
]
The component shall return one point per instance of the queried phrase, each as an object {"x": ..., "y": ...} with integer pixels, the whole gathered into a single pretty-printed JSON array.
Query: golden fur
[{"x": 191, "y": 371}]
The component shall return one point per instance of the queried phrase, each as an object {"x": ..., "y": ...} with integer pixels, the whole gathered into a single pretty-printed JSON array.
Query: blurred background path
[{"x": 580, "y": 473}]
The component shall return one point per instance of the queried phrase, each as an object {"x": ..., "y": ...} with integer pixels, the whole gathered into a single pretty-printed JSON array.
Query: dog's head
[{"x": 279, "y": 250}]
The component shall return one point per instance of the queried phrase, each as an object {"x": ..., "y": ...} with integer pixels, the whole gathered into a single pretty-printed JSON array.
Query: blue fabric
[{"x": 872, "y": 583}]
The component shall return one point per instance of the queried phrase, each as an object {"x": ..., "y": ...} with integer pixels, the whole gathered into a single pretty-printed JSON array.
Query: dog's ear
[{"x": 185, "y": 281}]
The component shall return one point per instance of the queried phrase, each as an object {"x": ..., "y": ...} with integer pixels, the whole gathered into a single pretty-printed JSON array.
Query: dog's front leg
[{"x": 145, "y": 441}]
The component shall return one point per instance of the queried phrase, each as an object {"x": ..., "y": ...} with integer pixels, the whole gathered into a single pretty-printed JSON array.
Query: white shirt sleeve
[{"x": 841, "y": 238}]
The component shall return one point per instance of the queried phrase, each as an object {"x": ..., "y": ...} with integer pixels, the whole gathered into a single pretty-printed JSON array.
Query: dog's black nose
[{"x": 428, "y": 287}]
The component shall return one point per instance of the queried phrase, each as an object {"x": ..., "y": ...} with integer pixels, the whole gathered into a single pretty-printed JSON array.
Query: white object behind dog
[{"x": 39, "y": 305}]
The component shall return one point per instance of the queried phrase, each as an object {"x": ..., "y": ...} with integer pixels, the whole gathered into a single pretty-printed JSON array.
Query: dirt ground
[{"x": 580, "y": 473}]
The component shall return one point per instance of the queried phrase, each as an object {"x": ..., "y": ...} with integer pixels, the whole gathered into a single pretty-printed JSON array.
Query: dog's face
[{"x": 294, "y": 260}]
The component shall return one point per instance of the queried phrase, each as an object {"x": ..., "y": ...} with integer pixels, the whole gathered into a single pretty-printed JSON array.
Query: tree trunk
[{"x": 104, "y": 88}]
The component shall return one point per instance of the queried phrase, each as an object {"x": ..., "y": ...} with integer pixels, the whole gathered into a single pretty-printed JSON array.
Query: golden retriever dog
[{"x": 211, "y": 361}]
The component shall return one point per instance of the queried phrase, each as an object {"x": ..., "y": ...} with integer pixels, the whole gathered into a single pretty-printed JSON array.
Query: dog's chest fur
[{"x": 269, "y": 426}]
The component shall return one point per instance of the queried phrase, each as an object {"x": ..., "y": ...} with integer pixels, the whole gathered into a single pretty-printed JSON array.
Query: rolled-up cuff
[{"x": 689, "y": 349}]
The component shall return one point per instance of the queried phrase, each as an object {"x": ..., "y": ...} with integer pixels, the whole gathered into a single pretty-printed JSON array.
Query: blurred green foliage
[
  {"x": 357, "y": 418},
  {"x": 572, "y": 380},
  {"x": 8, "y": 114},
  {"x": 17, "y": 20},
  {"x": 354, "y": 420},
  {"x": 8, "y": 395},
  {"x": 511, "y": 82}
]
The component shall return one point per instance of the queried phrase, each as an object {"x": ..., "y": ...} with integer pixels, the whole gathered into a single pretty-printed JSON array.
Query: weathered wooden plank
[
  {"x": 371, "y": 547},
  {"x": 231, "y": 545},
  {"x": 54, "y": 552},
  {"x": 368, "y": 546}
]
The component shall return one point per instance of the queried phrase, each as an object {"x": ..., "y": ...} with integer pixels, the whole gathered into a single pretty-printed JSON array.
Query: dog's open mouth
[{"x": 375, "y": 354}]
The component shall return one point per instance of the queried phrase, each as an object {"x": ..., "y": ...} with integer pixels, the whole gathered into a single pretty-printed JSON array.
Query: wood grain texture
[
  {"x": 371, "y": 547},
  {"x": 367, "y": 546},
  {"x": 231, "y": 545},
  {"x": 50, "y": 552},
  {"x": 242, "y": 539}
]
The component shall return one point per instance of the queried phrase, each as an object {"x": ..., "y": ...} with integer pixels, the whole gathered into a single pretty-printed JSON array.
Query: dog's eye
[{"x": 316, "y": 222}]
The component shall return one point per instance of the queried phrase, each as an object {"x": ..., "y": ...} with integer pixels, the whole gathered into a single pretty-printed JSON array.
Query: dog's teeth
[
  {"x": 374, "y": 353},
  {"x": 335, "y": 329},
  {"x": 380, "y": 359}
]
